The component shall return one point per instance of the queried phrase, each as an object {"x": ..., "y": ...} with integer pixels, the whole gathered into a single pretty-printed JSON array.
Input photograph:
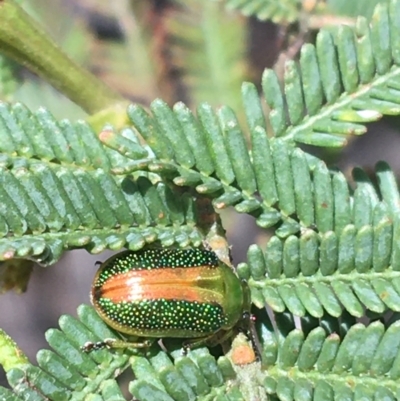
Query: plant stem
[{"x": 22, "y": 39}]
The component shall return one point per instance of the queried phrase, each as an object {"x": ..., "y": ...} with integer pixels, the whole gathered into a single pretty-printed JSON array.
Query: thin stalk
[{"x": 22, "y": 39}]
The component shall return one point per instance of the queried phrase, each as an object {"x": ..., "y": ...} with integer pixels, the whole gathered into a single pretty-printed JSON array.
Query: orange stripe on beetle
[{"x": 173, "y": 284}]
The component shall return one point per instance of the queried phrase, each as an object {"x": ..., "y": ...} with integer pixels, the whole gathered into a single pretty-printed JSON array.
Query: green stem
[{"x": 24, "y": 41}]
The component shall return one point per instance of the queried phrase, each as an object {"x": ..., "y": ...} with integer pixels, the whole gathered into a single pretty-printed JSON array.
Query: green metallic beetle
[{"x": 158, "y": 293}]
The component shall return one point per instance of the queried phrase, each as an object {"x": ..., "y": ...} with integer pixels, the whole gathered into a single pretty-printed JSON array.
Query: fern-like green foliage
[
  {"x": 208, "y": 45},
  {"x": 346, "y": 361},
  {"x": 81, "y": 376},
  {"x": 334, "y": 255},
  {"x": 283, "y": 11},
  {"x": 315, "y": 363},
  {"x": 353, "y": 8},
  {"x": 58, "y": 191}
]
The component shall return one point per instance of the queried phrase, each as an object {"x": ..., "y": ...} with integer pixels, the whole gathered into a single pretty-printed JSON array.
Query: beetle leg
[
  {"x": 189, "y": 344},
  {"x": 219, "y": 337},
  {"x": 249, "y": 330},
  {"x": 211, "y": 341},
  {"x": 113, "y": 343}
]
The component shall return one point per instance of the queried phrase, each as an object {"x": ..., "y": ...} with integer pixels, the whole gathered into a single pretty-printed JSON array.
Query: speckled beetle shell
[{"x": 160, "y": 293}]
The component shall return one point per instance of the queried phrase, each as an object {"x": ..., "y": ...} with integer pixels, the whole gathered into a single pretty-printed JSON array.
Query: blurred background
[{"x": 178, "y": 50}]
